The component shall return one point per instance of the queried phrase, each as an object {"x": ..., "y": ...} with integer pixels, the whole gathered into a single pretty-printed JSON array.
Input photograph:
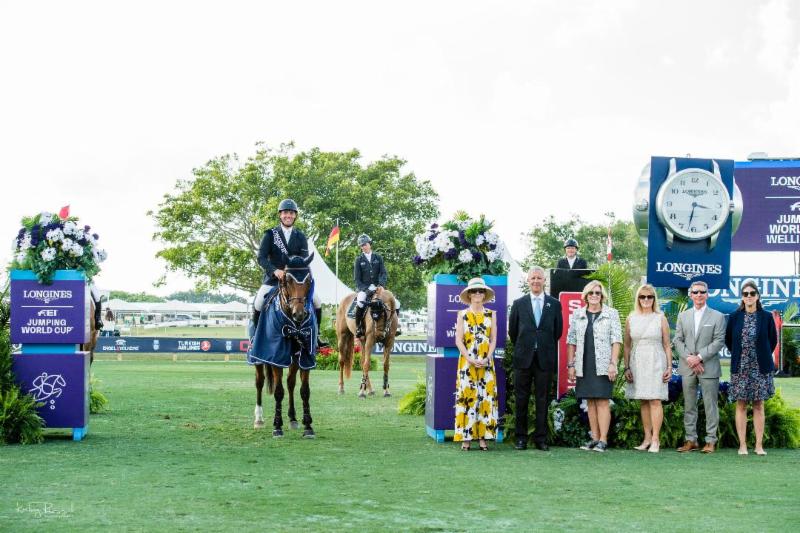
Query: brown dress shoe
[
  {"x": 709, "y": 447},
  {"x": 689, "y": 446}
]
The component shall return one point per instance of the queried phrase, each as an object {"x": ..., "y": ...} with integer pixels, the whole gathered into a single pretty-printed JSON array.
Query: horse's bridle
[
  {"x": 387, "y": 317},
  {"x": 285, "y": 300}
]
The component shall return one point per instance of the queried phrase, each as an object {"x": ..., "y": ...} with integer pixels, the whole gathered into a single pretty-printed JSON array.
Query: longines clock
[{"x": 693, "y": 204}]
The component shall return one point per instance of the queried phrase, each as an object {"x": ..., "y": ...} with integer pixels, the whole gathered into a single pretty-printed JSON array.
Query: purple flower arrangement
[{"x": 47, "y": 243}]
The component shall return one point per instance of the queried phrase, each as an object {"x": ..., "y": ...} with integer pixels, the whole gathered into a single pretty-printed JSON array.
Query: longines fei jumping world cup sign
[
  {"x": 690, "y": 225},
  {"x": 771, "y": 192},
  {"x": 49, "y": 314}
]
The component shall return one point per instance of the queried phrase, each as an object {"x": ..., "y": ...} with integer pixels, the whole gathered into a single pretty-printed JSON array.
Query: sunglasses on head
[
  {"x": 646, "y": 297},
  {"x": 749, "y": 293},
  {"x": 699, "y": 291}
]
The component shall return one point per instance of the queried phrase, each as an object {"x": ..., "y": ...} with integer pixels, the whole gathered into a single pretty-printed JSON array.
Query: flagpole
[{"x": 336, "y": 292}]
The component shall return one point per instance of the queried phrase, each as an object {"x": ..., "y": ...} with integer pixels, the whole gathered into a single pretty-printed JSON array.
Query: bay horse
[
  {"x": 380, "y": 325},
  {"x": 286, "y": 337}
]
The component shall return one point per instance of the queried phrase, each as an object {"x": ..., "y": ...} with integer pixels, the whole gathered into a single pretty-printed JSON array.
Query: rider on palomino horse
[
  {"x": 277, "y": 245},
  {"x": 370, "y": 277}
]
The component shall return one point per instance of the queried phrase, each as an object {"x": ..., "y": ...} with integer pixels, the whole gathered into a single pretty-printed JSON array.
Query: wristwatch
[{"x": 693, "y": 204}]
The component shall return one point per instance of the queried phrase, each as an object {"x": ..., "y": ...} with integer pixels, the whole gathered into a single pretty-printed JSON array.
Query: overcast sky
[{"x": 519, "y": 110}]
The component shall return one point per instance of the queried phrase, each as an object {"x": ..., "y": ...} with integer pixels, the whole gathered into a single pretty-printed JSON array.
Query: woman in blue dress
[{"x": 751, "y": 337}]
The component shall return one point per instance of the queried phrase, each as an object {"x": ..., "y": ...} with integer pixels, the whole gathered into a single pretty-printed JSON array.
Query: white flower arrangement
[
  {"x": 47, "y": 243},
  {"x": 463, "y": 246}
]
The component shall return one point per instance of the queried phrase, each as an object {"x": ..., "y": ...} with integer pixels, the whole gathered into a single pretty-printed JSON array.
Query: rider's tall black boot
[
  {"x": 318, "y": 315},
  {"x": 360, "y": 311}
]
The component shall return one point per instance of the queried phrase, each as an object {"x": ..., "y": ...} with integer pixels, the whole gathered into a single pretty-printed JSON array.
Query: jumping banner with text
[{"x": 771, "y": 215}]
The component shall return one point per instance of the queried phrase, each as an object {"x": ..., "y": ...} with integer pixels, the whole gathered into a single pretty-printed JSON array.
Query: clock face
[{"x": 693, "y": 204}]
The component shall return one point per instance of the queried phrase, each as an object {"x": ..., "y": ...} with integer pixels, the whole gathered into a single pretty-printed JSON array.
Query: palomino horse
[
  {"x": 285, "y": 337},
  {"x": 380, "y": 325}
]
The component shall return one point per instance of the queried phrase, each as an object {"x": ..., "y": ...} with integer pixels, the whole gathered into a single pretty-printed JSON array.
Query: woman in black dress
[
  {"x": 751, "y": 337},
  {"x": 593, "y": 343}
]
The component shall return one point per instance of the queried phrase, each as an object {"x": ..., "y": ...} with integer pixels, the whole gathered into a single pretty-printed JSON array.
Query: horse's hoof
[
  {"x": 372, "y": 393},
  {"x": 386, "y": 394},
  {"x": 293, "y": 424},
  {"x": 277, "y": 433},
  {"x": 309, "y": 434},
  {"x": 341, "y": 390},
  {"x": 362, "y": 394},
  {"x": 258, "y": 424}
]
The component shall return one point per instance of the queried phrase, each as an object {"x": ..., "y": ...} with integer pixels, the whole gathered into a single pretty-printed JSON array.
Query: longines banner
[
  {"x": 201, "y": 345},
  {"x": 689, "y": 235},
  {"x": 771, "y": 215},
  {"x": 777, "y": 293}
]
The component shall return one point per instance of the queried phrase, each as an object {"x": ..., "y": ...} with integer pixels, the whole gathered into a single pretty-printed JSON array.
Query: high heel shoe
[
  {"x": 643, "y": 446},
  {"x": 654, "y": 448}
]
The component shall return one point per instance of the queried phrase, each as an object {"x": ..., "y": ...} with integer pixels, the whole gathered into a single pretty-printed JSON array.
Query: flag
[
  {"x": 64, "y": 213},
  {"x": 333, "y": 238},
  {"x": 608, "y": 245}
]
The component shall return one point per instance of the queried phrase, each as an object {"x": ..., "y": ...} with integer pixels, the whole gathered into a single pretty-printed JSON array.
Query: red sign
[{"x": 570, "y": 301}]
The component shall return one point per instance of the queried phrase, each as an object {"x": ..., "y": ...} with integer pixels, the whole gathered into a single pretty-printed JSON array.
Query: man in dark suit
[
  {"x": 534, "y": 327},
  {"x": 571, "y": 259}
]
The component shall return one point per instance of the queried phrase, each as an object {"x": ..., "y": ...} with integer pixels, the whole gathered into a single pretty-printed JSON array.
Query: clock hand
[
  {"x": 701, "y": 206},
  {"x": 691, "y": 215}
]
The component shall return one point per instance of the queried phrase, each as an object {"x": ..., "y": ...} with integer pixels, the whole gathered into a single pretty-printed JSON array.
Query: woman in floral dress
[
  {"x": 476, "y": 385},
  {"x": 751, "y": 337}
]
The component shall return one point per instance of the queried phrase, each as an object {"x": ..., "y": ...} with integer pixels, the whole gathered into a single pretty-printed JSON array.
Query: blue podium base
[{"x": 439, "y": 434}]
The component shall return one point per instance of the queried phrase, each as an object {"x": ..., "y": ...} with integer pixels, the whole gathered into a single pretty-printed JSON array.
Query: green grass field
[{"x": 177, "y": 452}]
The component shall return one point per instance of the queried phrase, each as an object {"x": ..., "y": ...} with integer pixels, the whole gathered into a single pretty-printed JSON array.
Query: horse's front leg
[
  {"x": 387, "y": 351},
  {"x": 305, "y": 395},
  {"x": 291, "y": 379},
  {"x": 259, "y": 412},
  {"x": 277, "y": 422},
  {"x": 366, "y": 360}
]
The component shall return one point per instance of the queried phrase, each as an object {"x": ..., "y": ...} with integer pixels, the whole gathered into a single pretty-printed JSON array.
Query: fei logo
[{"x": 46, "y": 387}]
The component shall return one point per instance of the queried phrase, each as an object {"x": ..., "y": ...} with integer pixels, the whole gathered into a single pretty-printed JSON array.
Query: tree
[
  {"x": 134, "y": 296},
  {"x": 546, "y": 242},
  {"x": 212, "y": 225},
  {"x": 205, "y": 297}
]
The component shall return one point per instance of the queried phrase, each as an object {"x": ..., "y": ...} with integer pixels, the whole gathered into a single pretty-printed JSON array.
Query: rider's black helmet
[
  {"x": 287, "y": 205},
  {"x": 571, "y": 242},
  {"x": 364, "y": 239}
]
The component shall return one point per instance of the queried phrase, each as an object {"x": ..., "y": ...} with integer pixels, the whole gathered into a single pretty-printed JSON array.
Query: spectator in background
[
  {"x": 571, "y": 261},
  {"x": 751, "y": 336},
  {"x": 109, "y": 325}
]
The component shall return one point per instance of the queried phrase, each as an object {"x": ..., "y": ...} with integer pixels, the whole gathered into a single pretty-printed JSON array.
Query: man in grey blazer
[{"x": 699, "y": 336}]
